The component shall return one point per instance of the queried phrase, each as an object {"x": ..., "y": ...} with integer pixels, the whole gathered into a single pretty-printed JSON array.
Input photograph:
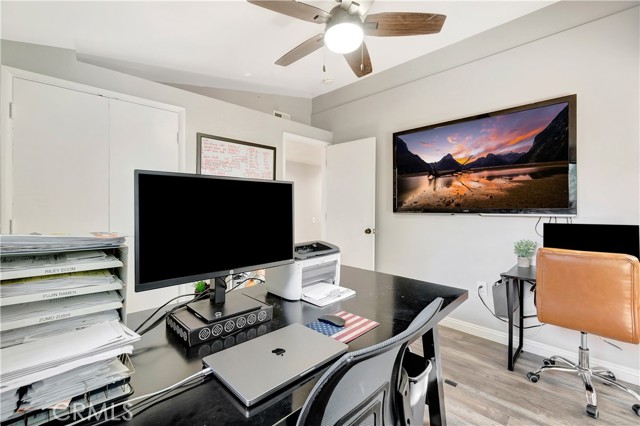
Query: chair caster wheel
[
  {"x": 548, "y": 361},
  {"x": 636, "y": 409},
  {"x": 533, "y": 377},
  {"x": 592, "y": 411}
]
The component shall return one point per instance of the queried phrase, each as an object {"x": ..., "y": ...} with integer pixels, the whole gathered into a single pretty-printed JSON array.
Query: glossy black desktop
[{"x": 391, "y": 300}]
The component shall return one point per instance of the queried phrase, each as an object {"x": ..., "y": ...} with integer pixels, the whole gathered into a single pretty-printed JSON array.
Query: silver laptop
[{"x": 259, "y": 367}]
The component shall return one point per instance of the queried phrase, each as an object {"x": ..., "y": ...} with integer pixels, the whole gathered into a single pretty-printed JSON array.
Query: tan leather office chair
[{"x": 589, "y": 292}]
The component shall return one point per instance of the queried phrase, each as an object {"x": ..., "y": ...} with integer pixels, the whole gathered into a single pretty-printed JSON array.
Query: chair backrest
[
  {"x": 591, "y": 292},
  {"x": 362, "y": 386}
]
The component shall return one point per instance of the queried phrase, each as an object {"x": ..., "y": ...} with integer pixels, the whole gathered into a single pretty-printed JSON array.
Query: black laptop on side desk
[{"x": 593, "y": 237}]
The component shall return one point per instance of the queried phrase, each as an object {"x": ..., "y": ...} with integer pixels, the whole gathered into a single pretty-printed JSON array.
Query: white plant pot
[{"x": 524, "y": 262}]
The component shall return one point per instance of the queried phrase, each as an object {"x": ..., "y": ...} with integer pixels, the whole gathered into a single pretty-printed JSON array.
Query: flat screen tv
[
  {"x": 519, "y": 160},
  {"x": 191, "y": 227}
]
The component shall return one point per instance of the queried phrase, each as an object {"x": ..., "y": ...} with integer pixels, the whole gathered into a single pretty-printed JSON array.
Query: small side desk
[
  {"x": 516, "y": 277},
  {"x": 393, "y": 301}
]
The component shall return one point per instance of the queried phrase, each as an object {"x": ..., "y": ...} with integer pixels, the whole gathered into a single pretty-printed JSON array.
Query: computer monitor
[
  {"x": 191, "y": 227},
  {"x": 593, "y": 237}
]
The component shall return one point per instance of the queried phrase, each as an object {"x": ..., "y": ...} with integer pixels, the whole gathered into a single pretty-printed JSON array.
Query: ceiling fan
[{"x": 345, "y": 28}]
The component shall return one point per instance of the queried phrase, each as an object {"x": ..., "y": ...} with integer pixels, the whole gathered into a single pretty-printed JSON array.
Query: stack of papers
[
  {"x": 33, "y": 289},
  {"x": 25, "y": 314},
  {"x": 59, "y": 390},
  {"x": 32, "y": 333},
  {"x": 61, "y": 339},
  {"x": 321, "y": 294},
  {"x": 39, "y": 361},
  {"x": 55, "y": 263},
  {"x": 22, "y": 244},
  {"x": 27, "y": 363}
]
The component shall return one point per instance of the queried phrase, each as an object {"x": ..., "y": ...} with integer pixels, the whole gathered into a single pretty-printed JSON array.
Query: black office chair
[{"x": 369, "y": 386}]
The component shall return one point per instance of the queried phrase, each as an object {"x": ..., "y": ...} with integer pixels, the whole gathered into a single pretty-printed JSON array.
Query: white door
[
  {"x": 60, "y": 165},
  {"x": 142, "y": 137},
  {"x": 73, "y": 156},
  {"x": 351, "y": 201}
]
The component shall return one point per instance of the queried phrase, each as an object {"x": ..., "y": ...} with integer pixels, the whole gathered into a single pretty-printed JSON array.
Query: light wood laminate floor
[{"x": 486, "y": 393}]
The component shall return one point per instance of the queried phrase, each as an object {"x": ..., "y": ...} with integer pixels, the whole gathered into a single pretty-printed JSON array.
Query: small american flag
[{"x": 354, "y": 326}]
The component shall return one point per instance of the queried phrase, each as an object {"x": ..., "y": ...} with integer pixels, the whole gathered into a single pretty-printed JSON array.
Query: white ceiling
[{"x": 233, "y": 44}]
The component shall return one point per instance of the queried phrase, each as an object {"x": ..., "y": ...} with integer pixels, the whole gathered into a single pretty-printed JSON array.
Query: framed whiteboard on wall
[{"x": 228, "y": 157}]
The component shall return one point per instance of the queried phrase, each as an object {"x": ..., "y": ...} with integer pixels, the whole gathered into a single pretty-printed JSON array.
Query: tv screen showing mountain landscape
[{"x": 520, "y": 160}]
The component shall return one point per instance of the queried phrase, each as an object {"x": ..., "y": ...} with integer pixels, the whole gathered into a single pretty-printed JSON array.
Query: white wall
[
  {"x": 298, "y": 108},
  {"x": 308, "y": 204},
  {"x": 598, "y": 61},
  {"x": 203, "y": 114}
]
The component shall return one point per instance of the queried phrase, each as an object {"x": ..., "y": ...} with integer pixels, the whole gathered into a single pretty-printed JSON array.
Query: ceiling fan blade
[
  {"x": 302, "y": 50},
  {"x": 390, "y": 24},
  {"x": 295, "y": 9},
  {"x": 359, "y": 61}
]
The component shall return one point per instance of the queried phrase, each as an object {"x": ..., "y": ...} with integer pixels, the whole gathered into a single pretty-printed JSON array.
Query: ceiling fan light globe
[{"x": 344, "y": 37}]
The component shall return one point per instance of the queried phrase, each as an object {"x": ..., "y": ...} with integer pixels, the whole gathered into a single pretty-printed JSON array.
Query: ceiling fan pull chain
[
  {"x": 324, "y": 60},
  {"x": 362, "y": 57}
]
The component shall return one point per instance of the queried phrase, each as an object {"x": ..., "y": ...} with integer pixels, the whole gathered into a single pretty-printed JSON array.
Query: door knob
[{"x": 368, "y": 231}]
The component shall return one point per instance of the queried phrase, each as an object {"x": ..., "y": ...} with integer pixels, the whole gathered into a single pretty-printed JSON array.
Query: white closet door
[
  {"x": 60, "y": 168},
  {"x": 142, "y": 137}
]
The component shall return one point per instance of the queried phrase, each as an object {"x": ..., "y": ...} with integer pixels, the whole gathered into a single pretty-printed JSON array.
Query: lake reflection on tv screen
[{"x": 543, "y": 186}]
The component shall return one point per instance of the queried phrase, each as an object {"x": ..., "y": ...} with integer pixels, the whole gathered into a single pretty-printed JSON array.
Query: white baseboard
[{"x": 623, "y": 373}]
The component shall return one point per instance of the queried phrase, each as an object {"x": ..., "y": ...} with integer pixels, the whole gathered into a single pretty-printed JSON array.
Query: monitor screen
[
  {"x": 191, "y": 227},
  {"x": 593, "y": 237}
]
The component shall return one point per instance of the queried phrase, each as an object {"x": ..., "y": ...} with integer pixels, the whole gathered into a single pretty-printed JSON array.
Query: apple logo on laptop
[{"x": 278, "y": 351}]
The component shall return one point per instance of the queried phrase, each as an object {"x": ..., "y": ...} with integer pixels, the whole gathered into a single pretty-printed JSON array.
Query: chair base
[{"x": 586, "y": 373}]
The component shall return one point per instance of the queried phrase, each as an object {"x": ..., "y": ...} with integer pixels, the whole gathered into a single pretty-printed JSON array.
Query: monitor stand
[{"x": 221, "y": 306}]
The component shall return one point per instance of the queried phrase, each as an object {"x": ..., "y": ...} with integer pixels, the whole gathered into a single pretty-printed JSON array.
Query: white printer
[{"x": 314, "y": 276}]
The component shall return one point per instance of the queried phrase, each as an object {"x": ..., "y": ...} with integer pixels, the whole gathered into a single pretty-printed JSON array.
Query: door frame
[{"x": 7, "y": 75}]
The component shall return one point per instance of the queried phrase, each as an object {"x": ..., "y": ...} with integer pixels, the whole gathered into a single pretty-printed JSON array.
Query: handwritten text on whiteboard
[{"x": 225, "y": 158}]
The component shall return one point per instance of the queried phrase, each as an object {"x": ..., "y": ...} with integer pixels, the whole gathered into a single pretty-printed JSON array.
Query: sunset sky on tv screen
[{"x": 499, "y": 134}]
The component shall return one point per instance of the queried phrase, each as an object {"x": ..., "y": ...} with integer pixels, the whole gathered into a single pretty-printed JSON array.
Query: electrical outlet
[{"x": 482, "y": 288}]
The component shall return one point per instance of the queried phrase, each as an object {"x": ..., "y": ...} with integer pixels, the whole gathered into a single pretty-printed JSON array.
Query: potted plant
[{"x": 524, "y": 249}]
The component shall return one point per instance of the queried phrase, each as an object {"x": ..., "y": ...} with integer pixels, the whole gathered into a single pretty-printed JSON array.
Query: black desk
[
  {"x": 393, "y": 301},
  {"x": 516, "y": 278}
]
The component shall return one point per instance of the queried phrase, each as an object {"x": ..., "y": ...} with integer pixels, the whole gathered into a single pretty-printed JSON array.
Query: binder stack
[{"x": 63, "y": 343}]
